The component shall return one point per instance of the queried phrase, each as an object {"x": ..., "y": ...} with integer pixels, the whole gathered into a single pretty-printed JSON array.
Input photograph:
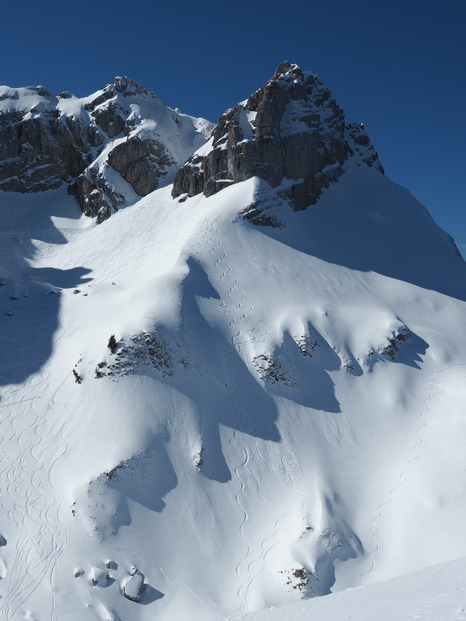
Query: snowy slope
[
  {"x": 430, "y": 594},
  {"x": 281, "y": 415}
]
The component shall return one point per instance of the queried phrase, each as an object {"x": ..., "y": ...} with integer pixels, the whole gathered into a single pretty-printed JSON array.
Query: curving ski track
[
  {"x": 416, "y": 450},
  {"x": 239, "y": 313},
  {"x": 28, "y": 499}
]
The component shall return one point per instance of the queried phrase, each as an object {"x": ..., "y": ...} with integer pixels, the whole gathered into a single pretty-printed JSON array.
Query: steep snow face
[
  {"x": 221, "y": 404},
  {"x": 111, "y": 147},
  {"x": 291, "y": 132}
]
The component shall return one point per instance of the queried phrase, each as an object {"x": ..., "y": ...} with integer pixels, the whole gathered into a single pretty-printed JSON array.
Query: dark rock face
[
  {"x": 40, "y": 151},
  {"x": 360, "y": 144},
  {"x": 129, "y": 87},
  {"x": 291, "y": 133},
  {"x": 141, "y": 162},
  {"x": 95, "y": 196},
  {"x": 109, "y": 120},
  {"x": 122, "y": 142}
]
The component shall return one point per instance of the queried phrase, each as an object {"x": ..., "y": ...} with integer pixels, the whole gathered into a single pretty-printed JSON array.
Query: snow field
[{"x": 255, "y": 436}]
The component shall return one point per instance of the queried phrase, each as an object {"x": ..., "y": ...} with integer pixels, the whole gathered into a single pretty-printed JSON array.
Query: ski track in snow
[
  {"x": 27, "y": 495},
  {"x": 237, "y": 313},
  {"x": 29, "y": 499},
  {"x": 234, "y": 395},
  {"x": 401, "y": 478},
  {"x": 264, "y": 551},
  {"x": 252, "y": 564}
]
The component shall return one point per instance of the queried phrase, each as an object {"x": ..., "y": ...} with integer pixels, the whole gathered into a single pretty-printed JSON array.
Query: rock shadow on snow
[
  {"x": 327, "y": 542},
  {"x": 150, "y": 595},
  {"x": 30, "y": 297},
  {"x": 302, "y": 376},
  {"x": 145, "y": 478},
  {"x": 411, "y": 354},
  {"x": 337, "y": 543},
  {"x": 408, "y": 351},
  {"x": 223, "y": 388}
]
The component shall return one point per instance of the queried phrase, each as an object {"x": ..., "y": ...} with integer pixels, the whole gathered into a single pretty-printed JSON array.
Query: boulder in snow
[{"x": 133, "y": 587}]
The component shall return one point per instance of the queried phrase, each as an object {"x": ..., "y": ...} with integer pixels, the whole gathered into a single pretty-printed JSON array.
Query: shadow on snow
[
  {"x": 30, "y": 297},
  {"x": 368, "y": 223}
]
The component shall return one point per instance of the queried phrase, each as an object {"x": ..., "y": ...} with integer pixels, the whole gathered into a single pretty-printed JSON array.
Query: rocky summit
[{"x": 291, "y": 133}]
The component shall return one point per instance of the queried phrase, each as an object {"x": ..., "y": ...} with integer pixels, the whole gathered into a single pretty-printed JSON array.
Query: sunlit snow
[{"x": 280, "y": 414}]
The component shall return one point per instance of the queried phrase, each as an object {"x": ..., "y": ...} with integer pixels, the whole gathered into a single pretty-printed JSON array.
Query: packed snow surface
[{"x": 243, "y": 414}]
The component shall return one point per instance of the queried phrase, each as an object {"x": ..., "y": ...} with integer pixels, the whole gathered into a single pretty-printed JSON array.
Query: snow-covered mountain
[
  {"x": 109, "y": 148},
  {"x": 218, "y": 400}
]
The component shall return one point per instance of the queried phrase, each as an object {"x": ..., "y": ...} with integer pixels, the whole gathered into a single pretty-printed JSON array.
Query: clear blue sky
[{"x": 398, "y": 66}]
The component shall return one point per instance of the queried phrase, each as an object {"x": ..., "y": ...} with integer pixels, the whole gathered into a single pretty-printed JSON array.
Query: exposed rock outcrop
[
  {"x": 95, "y": 196},
  {"x": 143, "y": 144},
  {"x": 291, "y": 133}
]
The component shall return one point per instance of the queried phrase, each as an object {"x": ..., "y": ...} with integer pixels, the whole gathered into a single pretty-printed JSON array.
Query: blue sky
[{"x": 397, "y": 66}]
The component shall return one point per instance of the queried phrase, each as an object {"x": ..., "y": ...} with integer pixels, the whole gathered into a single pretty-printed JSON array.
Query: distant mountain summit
[
  {"x": 291, "y": 133},
  {"x": 110, "y": 148}
]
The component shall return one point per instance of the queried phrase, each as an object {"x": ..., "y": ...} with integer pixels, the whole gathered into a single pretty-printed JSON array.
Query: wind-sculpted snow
[{"x": 212, "y": 415}]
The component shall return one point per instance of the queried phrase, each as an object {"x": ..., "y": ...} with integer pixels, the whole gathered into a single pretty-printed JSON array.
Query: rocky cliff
[
  {"x": 291, "y": 133},
  {"x": 39, "y": 148},
  {"x": 110, "y": 148}
]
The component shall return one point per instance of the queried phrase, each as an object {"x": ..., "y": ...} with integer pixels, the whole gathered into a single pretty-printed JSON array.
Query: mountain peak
[
  {"x": 216, "y": 405},
  {"x": 128, "y": 87},
  {"x": 290, "y": 132},
  {"x": 285, "y": 69}
]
